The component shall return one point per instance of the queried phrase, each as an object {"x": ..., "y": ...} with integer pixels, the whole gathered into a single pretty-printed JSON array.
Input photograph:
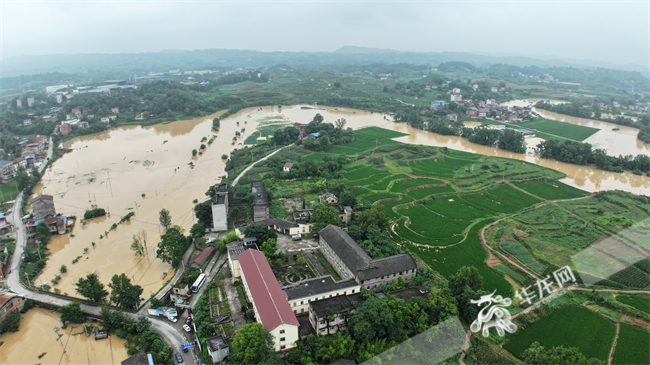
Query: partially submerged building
[
  {"x": 10, "y": 302},
  {"x": 269, "y": 301},
  {"x": 260, "y": 202},
  {"x": 351, "y": 262},
  {"x": 220, "y": 208}
]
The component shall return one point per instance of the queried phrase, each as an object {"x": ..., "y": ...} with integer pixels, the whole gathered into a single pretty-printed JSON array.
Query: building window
[
  {"x": 283, "y": 347},
  {"x": 322, "y": 322},
  {"x": 295, "y": 311},
  {"x": 302, "y": 310},
  {"x": 301, "y": 302},
  {"x": 352, "y": 291},
  {"x": 281, "y": 332},
  {"x": 294, "y": 304},
  {"x": 282, "y": 339},
  {"x": 368, "y": 287}
]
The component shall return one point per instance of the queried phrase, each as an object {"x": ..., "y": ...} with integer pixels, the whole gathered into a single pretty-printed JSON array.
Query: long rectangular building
[{"x": 269, "y": 301}]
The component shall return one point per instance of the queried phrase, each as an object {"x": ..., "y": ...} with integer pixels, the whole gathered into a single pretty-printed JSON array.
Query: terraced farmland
[
  {"x": 631, "y": 346},
  {"x": 552, "y": 190},
  {"x": 639, "y": 302}
]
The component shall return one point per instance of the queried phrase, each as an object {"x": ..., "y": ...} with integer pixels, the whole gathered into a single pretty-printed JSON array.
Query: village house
[
  {"x": 106, "y": 120},
  {"x": 260, "y": 201},
  {"x": 494, "y": 89},
  {"x": 328, "y": 198},
  {"x": 342, "y": 309},
  {"x": 217, "y": 348},
  {"x": 456, "y": 97},
  {"x": 43, "y": 207},
  {"x": 220, "y": 208},
  {"x": 472, "y": 112},
  {"x": 452, "y": 117},
  {"x": 202, "y": 257},
  {"x": 10, "y": 302},
  {"x": 115, "y": 110},
  {"x": 455, "y": 90},
  {"x": 482, "y": 113},
  {"x": 65, "y": 129},
  {"x": 5, "y": 226},
  {"x": 287, "y": 167},
  {"x": 475, "y": 87},
  {"x": 6, "y": 169}
]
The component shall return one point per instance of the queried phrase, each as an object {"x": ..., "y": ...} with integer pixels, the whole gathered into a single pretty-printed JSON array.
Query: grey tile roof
[
  {"x": 216, "y": 343},
  {"x": 345, "y": 248},
  {"x": 315, "y": 286},
  {"x": 277, "y": 222},
  {"x": 235, "y": 249},
  {"x": 259, "y": 193},
  {"x": 336, "y": 304},
  {"x": 386, "y": 266}
]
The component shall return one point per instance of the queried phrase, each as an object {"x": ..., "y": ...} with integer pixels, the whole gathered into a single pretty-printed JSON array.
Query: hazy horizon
[{"x": 582, "y": 30}]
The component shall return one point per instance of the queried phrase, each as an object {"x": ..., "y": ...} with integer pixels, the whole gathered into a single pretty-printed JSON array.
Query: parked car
[
  {"x": 296, "y": 237},
  {"x": 179, "y": 358},
  {"x": 187, "y": 328},
  {"x": 173, "y": 319}
]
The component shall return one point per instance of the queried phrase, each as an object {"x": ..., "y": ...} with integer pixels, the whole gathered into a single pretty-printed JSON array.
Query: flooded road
[
  {"x": 37, "y": 336},
  {"x": 144, "y": 169}
]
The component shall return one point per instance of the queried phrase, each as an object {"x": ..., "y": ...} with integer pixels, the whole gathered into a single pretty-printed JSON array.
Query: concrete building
[
  {"x": 456, "y": 97},
  {"x": 269, "y": 301},
  {"x": 260, "y": 202},
  {"x": 234, "y": 250},
  {"x": 65, "y": 128},
  {"x": 351, "y": 262},
  {"x": 343, "y": 308},
  {"x": 30, "y": 102},
  {"x": 19, "y": 103},
  {"x": 6, "y": 169},
  {"x": 220, "y": 208},
  {"x": 328, "y": 198},
  {"x": 10, "y": 302},
  {"x": 5, "y": 226},
  {"x": 452, "y": 117},
  {"x": 218, "y": 348},
  {"x": 59, "y": 98},
  {"x": 43, "y": 207},
  {"x": 301, "y": 293},
  {"x": 284, "y": 227},
  {"x": 55, "y": 88}
]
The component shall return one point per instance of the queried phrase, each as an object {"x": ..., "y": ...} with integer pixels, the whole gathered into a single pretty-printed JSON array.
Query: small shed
[
  {"x": 201, "y": 258},
  {"x": 218, "y": 348},
  {"x": 287, "y": 167}
]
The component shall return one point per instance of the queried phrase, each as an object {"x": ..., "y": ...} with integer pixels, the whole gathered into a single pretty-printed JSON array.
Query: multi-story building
[
  {"x": 220, "y": 208},
  {"x": 10, "y": 302},
  {"x": 269, "y": 301},
  {"x": 351, "y": 262},
  {"x": 260, "y": 202},
  {"x": 341, "y": 309},
  {"x": 302, "y": 293}
]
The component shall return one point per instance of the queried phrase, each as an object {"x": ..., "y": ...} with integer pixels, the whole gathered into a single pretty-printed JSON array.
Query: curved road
[{"x": 167, "y": 331}]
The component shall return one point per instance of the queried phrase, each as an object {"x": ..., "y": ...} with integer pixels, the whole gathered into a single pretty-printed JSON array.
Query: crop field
[
  {"x": 632, "y": 346},
  {"x": 631, "y": 277},
  {"x": 552, "y": 190},
  {"x": 388, "y": 206},
  {"x": 447, "y": 261},
  {"x": 371, "y": 198},
  {"x": 427, "y": 227},
  {"x": 636, "y": 301},
  {"x": 424, "y": 192},
  {"x": 370, "y": 179},
  {"x": 383, "y": 185},
  {"x": 569, "y": 327},
  {"x": 438, "y": 167},
  {"x": 508, "y": 271},
  {"x": 562, "y": 129},
  {"x": 314, "y": 157},
  {"x": 366, "y": 139},
  {"x": 400, "y": 186},
  {"x": 358, "y": 191},
  {"x": 457, "y": 208},
  {"x": 361, "y": 172},
  {"x": 521, "y": 253}
]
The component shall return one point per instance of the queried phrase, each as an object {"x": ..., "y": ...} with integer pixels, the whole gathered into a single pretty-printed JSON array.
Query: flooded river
[
  {"x": 144, "y": 169},
  {"x": 37, "y": 336}
]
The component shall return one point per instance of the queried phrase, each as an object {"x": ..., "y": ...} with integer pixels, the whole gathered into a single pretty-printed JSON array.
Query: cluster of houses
[
  {"x": 500, "y": 112},
  {"x": 616, "y": 104},
  {"x": 43, "y": 210},
  {"x": 73, "y": 120},
  {"x": 29, "y": 148}
]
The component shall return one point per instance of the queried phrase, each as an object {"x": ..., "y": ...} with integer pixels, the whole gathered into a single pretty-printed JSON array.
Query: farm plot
[
  {"x": 438, "y": 167},
  {"x": 562, "y": 129},
  {"x": 457, "y": 208},
  {"x": 370, "y": 179},
  {"x": 569, "y": 327},
  {"x": 401, "y": 186},
  {"x": 359, "y": 173},
  {"x": 383, "y": 185},
  {"x": 388, "y": 206},
  {"x": 631, "y": 277},
  {"x": 521, "y": 253},
  {"x": 612, "y": 210},
  {"x": 424, "y": 192},
  {"x": 508, "y": 271},
  {"x": 448, "y": 260},
  {"x": 551, "y": 190},
  {"x": 366, "y": 139},
  {"x": 430, "y": 228},
  {"x": 371, "y": 198},
  {"x": 641, "y": 303},
  {"x": 358, "y": 191},
  {"x": 632, "y": 346}
]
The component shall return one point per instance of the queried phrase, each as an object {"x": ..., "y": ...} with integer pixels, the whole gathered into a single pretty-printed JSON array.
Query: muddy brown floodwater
[
  {"x": 37, "y": 336},
  {"x": 115, "y": 168}
]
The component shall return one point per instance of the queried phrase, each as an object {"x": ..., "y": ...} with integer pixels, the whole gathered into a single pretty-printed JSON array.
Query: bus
[{"x": 198, "y": 283}]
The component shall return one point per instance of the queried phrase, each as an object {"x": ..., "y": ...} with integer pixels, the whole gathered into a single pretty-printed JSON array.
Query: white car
[
  {"x": 187, "y": 328},
  {"x": 173, "y": 319}
]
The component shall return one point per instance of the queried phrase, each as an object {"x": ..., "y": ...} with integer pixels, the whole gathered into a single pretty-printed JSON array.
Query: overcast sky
[{"x": 615, "y": 31}]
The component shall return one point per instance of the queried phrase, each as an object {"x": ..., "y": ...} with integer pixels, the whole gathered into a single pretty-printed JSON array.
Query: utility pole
[{"x": 109, "y": 182}]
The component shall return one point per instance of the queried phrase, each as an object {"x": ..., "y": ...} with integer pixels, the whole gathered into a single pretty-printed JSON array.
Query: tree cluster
[
  {"x": 329, "y": 134},
  {"x": 172, "y": 246},
  {"x": 509, "y": 139}
]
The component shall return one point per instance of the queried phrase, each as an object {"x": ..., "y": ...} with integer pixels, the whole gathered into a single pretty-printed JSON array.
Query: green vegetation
[
  {"x": 631, "y": 346},
  {"x": 569, "y": 327},
  {"x": 552, "y": 190},
  {"x": 93, "y": 213},
  {"x": 425, "y": 192},
  {"x": 637, "y": 301},
  {"x": 9, "y": 191},
  {"x": 562, "y": 129},
  {"x": 327, "y": 265},
  {"x": 520, "y": 253}
]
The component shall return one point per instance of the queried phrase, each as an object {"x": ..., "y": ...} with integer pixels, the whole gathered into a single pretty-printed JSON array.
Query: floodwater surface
[
  {"x": 37, "y": 336},
  {"x": 144, "y": 169}
]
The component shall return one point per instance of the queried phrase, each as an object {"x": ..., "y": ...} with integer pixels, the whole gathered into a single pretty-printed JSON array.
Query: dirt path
[
  {"x": 611, "y": 352},
  {"x": 255, "y": 163}
]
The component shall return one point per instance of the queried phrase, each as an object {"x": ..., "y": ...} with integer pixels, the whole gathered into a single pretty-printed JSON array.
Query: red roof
[
  {"x": 288, "y": 164},
  {"x": 267, "y": 296},
  {"x": 200, "y": 258},
  {"x": 43, "y": 197}
]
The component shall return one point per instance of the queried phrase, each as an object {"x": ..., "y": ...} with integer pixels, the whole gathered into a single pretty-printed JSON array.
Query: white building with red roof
[{"x": 270, "y": 302}]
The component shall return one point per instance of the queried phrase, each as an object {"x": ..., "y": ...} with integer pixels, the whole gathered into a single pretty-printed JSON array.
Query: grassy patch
[
  {"x": 551, "y": 190},
  {"x": 400, "y": 186},
  {"x": 635, "y": 301},
  {"x": 569, "y": 327},
  {"x": 632, "y": 346},
  {"x": 327, "y": 265},
  {"x": 358, "y": 191},
  {"x": 383, "y": 185},
  {"x": 424, "y": 192},
  {"x": 562, "y": 129},
  {"x": 388, "y": 206},
  {"x": 366, "y": 139},
  {"x": 9, "y": 191},
  {"x": 521, "y": 253}
]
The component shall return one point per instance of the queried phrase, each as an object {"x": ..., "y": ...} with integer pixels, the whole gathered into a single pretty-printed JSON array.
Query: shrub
[{"x": 93, "y": 213}]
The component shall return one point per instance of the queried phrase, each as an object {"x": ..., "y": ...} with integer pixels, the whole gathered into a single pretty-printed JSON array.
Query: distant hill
[{"x": 227, "y": 58}]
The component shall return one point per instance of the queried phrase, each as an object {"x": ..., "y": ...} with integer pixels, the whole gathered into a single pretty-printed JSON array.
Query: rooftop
[
  {"x": 277, "y": 222},
  {"x": 267, "y": 296},
  {"x": 303, "y": 214},
  {"x": 200, "y": 258},
  {"x": 259, "y": 192},
  {"x": 41, "y": 197},
  {"x": 345, "y": 248},
  {"x": 387, "y": 265},
  {"x": 336, "y": 304},
  {"x": 314, "y": 286},
  {"x": 216, "y": 343},
  {"x": 235, "y": 249}
]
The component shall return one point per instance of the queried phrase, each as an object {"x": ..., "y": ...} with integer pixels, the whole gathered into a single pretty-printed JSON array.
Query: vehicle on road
[
  {"x": 198, "y": 283},
  {"x": 187, "y": 328},
  {"x": 296, "y": 237},
  {"x": 173, "y": 319},
  {"x": 179, "y": 358}
]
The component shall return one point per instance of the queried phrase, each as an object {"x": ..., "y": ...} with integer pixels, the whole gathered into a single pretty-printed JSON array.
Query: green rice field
[
  {"x": 552, "y": 190},
  {"x": 400, "y": 186},
  {"x": 388, "y": 206},
  {"x": 632, "y": 346},
  {"x": 366, "y": 139},
  {"x": 521, "y": 253},
  {"x": 562, "y": 129},
  {"x": 383, "y": 184},
  {"x": 636, "y": 301},
  {"x": 569, "y": 327},
  {"x": 424, "y": 192}
]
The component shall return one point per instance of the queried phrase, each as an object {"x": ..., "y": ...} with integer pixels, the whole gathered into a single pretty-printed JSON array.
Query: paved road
[{"x": 173, "y": 336}]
